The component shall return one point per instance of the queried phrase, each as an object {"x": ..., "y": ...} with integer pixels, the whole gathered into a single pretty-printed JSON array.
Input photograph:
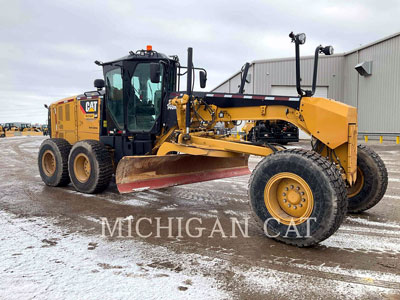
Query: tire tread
[
  {"x": 64, "y": 147},
  {"x": 334, "y": 176},
  {"x": 382, "y": 179},
  {"x": 105, "y": 171}
]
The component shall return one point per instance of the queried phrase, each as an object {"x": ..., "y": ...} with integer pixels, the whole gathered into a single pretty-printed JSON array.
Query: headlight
[
  {"x": 328, "y": 50},
  {"x": 301, "y": 37}
]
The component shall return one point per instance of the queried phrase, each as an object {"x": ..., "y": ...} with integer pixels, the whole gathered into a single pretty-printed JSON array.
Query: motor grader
[
  {"x": 2, "y": 131},
  {"x": 27, "y": 129},
  {"x": 151, "y": 135},
  {"x": 44, "y": 129},
  {"x": 32, "y": 131},
  {"x": 11, "y": 130}
]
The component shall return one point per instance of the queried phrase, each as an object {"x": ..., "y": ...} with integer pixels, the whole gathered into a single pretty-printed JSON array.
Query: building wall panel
[
  {"x": 377, "y": 97},
  {"x": 379, "y": 93}
]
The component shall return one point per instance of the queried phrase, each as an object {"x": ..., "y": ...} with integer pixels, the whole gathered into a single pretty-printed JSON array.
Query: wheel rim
[
  {"x": 356, "y": 188},
  {"x": 82, "y": 167},
  {"x": 288, "y": 198},
  {"x": 48, "y": 163}
]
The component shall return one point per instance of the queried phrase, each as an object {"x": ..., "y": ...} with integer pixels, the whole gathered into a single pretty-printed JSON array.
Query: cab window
[
  {"x": 115, "y": 96},
  {"x": 144, "y": 104}
]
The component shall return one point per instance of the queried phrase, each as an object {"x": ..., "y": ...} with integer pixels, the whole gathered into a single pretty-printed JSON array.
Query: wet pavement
[{"x": 51, "y": 242}]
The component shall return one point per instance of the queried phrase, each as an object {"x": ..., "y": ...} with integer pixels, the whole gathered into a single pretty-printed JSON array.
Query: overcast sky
[{"x": 47, "y": 47}]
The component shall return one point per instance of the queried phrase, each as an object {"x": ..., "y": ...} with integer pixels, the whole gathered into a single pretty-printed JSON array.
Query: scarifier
[{"x": 148, "y": 133}]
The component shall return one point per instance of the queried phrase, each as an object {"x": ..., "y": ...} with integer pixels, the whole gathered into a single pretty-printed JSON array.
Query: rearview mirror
[
  {"x": 155, "y": 72},
  {"x": 203, "y": 79},
  {"x": 99, "y": 84}
]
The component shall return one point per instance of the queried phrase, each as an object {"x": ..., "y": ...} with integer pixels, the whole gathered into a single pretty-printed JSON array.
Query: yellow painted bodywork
[
  {"x": 248, "y": 126},
  {"x": 31, "y": 131},
  {"x": 333, "y": 123},
  {"x": 71, "y": 121},
  {"x": 11, "y": 132}
]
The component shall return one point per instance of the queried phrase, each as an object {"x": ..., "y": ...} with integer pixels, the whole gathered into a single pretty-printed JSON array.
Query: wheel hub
[
  {"x": 48, "y": 163},
  {"x": 288, "y": 198},
  {"x": 82, "y": 167},
  {"x": 293, "y": 197},
  {"x": 358, "y": 185}
]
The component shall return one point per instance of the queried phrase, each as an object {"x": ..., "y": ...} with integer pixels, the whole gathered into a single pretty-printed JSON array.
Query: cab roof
[{"x": 140, "y": 54}]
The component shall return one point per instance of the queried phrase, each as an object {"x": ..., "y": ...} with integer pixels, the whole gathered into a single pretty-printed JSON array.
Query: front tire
[
  {"x": 53, "y": 162},
  {"x": 298, "y": 188},
  {"x": 90, "y": 166},
  {"x": 371, "y": 183}
]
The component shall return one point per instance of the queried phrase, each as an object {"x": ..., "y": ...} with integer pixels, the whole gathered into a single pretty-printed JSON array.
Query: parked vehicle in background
[
  {"x": 276, "y": 131},
  {"x": 45, "y": 129},
  {"x": 2, "y": 132}
]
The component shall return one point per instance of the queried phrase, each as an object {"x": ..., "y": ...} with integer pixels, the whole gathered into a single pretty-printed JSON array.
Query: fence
[{"x": 380, "y": 136}]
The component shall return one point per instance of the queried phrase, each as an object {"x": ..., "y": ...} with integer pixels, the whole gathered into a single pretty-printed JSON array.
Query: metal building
[{"x": 374, "y": 88}]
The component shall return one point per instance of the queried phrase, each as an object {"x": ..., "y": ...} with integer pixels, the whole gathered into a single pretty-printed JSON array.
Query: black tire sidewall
[
  {"x": 90, "y": 185},
  {"x": 369, "y": 194},
  {"x": 55, "y": 179},
  {"x": 323, "y": 194}
]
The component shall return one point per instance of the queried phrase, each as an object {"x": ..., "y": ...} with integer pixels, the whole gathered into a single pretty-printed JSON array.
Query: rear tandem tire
[
  {"x": 371, "y": 183},
  {"x": 292, "y": 186},
  {"x": 90, "y": 166},
  {"x": 53, "y": 162}
]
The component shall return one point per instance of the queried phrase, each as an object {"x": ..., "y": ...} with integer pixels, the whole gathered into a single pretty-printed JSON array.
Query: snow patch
[
  {"x": 41, "y": 261},
  {"x": 279, "y": 284},
  {"x": 392, "y": 197},
  {"x": 355, "y": 242},
  {"x": 392, "y": 225}
]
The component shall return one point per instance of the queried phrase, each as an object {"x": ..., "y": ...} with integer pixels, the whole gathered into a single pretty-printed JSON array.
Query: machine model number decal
[{"x": 171, "y": 106}]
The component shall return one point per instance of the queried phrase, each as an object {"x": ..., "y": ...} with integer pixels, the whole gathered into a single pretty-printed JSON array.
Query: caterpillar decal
[{"x": 90, "y": 108}]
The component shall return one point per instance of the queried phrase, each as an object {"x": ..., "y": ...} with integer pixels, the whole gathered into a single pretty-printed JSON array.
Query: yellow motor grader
[
  {"x": 148, "y": 133},
  {"x": 2, "y": 131},
  {"x": 44, "y": 129},
  {"x": 29, "y": 130},
  {"x": 11, "y": 130}
]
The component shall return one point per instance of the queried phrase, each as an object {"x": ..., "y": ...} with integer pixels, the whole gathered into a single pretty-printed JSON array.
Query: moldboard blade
[{"x": 135, "y": 173}]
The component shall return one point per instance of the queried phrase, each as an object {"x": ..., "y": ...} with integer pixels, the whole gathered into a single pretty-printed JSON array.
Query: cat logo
[{"x": 90, "y": 108}]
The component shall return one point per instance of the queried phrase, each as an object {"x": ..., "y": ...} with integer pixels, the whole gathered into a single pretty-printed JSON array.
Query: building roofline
[
  {"x": 373, "y": 43},
  {"x": 225, "y": 81},
  {"x": 257, "y": 61}
]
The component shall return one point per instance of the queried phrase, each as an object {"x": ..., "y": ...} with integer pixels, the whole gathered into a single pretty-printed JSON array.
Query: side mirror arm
[{"x": 245, "y": 70}]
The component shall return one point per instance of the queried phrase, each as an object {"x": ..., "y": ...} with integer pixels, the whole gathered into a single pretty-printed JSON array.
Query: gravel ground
[{"x": 52, "y": 247}]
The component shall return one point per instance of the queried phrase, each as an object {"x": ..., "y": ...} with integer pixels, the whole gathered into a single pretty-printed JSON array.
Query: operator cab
[
  {"x": 133, "y": 100},
  {"x": 137, "y": 87},
  {"x": 134, "y": 107},
  {"x": 143, "y": 101}
]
